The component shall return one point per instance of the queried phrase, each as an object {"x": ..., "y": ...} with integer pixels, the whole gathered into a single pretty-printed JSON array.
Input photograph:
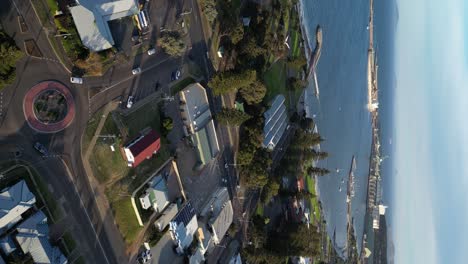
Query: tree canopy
[
  {"x": 253, "y": 93},
  {"x": 231, "y": 81},
  {"x": 172, "y": 43},
  {"x": 209, "y": 9},
  {"x": 9, "y": 55},
  {"x": 231, "y": 116}
]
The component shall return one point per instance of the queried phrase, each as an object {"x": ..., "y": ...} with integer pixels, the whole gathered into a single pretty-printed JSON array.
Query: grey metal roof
[
  {"x": 91, "y": 20},
  {"x": 221, "y": 222},
  {"x": 33, "y": 238},
  {"x": 199, "y": 119},
  {"x": 14, "y": 201},
  {"x": 276, "y": 121}
]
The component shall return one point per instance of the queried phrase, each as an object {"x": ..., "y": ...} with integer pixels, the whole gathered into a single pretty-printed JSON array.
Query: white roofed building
[
  {"x": 91, "y": 20},
  {"x": 183, "y": 227},
  {"x": 14, "y": 201}
]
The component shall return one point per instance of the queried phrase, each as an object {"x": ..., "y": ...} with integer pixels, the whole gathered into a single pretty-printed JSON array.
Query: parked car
[
  {"x": 76, "y": 80},
  {"x": 175, "y": 75},
  {"x": 39, "y": 147},
  {"x": 151, "y": 51},
  {"x": 136, "y": 71},
  {"x": 130, "y": 101}
]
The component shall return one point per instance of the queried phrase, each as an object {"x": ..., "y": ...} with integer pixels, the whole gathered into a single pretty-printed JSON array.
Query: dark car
[
  {"x": 175, "y": 75},
  {"x": 39, "y": 147}
]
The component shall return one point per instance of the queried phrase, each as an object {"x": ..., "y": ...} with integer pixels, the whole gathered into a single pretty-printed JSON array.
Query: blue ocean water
[{"x": 341, "y": 114}]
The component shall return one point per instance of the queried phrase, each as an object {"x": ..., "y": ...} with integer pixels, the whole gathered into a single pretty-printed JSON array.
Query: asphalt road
[{"x": 97, "y": 237}]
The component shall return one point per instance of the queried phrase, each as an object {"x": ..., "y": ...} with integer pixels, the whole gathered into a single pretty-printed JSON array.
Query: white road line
[
  {"x": 84, "y": 209},
  {"x": 130, "y": 77}
]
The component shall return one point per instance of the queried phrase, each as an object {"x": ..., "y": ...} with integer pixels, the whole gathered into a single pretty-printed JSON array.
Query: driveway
[{"x": 163, "y": 252}]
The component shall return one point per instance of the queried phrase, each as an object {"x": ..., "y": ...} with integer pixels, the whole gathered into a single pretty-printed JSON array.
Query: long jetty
[{"x": 314, "y": 59}]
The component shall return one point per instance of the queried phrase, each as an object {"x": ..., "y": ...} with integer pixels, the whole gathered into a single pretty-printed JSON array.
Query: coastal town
[{"x": 165, "y": 131}]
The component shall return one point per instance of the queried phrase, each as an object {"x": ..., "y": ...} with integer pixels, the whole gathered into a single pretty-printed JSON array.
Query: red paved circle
[{"x": 28, "y": 107}]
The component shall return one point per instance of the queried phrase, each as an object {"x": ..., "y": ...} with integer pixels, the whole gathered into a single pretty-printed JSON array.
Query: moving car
[
  {"x": 130, "y": 101},
  {"x": 175, "y": 75},
  {"x": 39, "y": 147},
  {"x": 76, "y": 80},
  {"x": 151, "y": 51},
  {"x": 145, "y": 256},
  {"x": 136, "y": 71}
]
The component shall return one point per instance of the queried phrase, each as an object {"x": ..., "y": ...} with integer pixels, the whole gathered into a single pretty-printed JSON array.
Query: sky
[{"x": 430, "y": 187}]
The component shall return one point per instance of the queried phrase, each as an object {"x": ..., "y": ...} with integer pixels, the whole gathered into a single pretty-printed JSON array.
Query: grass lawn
[
  {"x": 42, "y": 11},
  {"x": 313, "y": 201},
  {"x": 125, "y": 218},
  {"x": 91, "y": 129},
  {"x": 69, "y": 241},
  {"x": 108, "y": 164},
  {"x": 295, "y": 49},
  {"x": 53, "y": 7},
  {"x": 181, "y": 85},
  {"x": 275, "y": 80},
  {"x": 146, "y": 116}
]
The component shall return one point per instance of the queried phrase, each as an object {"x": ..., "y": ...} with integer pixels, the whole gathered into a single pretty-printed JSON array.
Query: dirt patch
[{"x": 32, "y": 49}]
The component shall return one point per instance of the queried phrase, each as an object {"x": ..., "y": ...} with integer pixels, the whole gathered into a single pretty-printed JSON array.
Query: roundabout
[{"x": 49, "y": 107}]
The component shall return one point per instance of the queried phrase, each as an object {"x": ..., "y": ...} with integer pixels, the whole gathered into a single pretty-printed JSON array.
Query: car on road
[
  {"x": 175, "y": 75},
  {"x": 76, "y": 80},
  {"x": 39, "y": 147},
  {"x": 130, "y": 101},
  {"x": 136, "y": 71},
  {"x": 151, "y": 51},
  {"x": 145, "y": 256}
]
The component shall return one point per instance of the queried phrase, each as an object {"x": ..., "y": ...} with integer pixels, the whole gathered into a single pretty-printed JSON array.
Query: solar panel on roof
[{"x": 185, "y": 214}]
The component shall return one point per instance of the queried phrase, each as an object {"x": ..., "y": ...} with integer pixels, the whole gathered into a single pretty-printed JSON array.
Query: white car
[
  {"x": 136, "y": 71},
  {"x": 151, "y": 51},
  {"x": 130, "y": 101},
  {"x": 76, "y": 80}
]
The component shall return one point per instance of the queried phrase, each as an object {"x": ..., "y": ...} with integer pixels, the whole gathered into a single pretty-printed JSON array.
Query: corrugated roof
[
  {"x": 144, "y": 147},
  {"x": 14, "y": 201},
  {"x": 33, "y": 238},
  {"x": 91, "y": 20}
]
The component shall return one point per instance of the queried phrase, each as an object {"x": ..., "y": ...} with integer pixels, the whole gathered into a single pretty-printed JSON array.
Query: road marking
[
  {"x": 1, "y": 104},
  {"x": 132, "y": 76},
  {"x": 85, "y": 209}
]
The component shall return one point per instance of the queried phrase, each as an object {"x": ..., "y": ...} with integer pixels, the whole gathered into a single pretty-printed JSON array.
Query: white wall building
[{"x": 183, "y": 227}]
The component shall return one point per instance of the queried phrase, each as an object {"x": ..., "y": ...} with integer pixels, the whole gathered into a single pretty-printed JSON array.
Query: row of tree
[{"x": 9, "y": 55}]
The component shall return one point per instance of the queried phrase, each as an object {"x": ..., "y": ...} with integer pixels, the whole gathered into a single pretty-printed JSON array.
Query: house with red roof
[{"x": 142, "y": 147}]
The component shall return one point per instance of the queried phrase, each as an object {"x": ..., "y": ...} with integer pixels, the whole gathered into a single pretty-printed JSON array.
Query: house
[
  {"x": 142, "y": 147},
  {"x": 92, "y": 17},
  {"x": 14, "y": 201},
  {"x": 183, "y": 227},
  {"x": 33, "y": 238},
  {"x": 156, "y": 195},
  {"x": 198, "y": 122},
  {"x": 219, "y": 213},
  {"x": 276, "y": 122}
]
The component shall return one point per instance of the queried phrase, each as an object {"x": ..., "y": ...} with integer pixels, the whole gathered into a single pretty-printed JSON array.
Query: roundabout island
[{"x": 49, "y": 107}]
